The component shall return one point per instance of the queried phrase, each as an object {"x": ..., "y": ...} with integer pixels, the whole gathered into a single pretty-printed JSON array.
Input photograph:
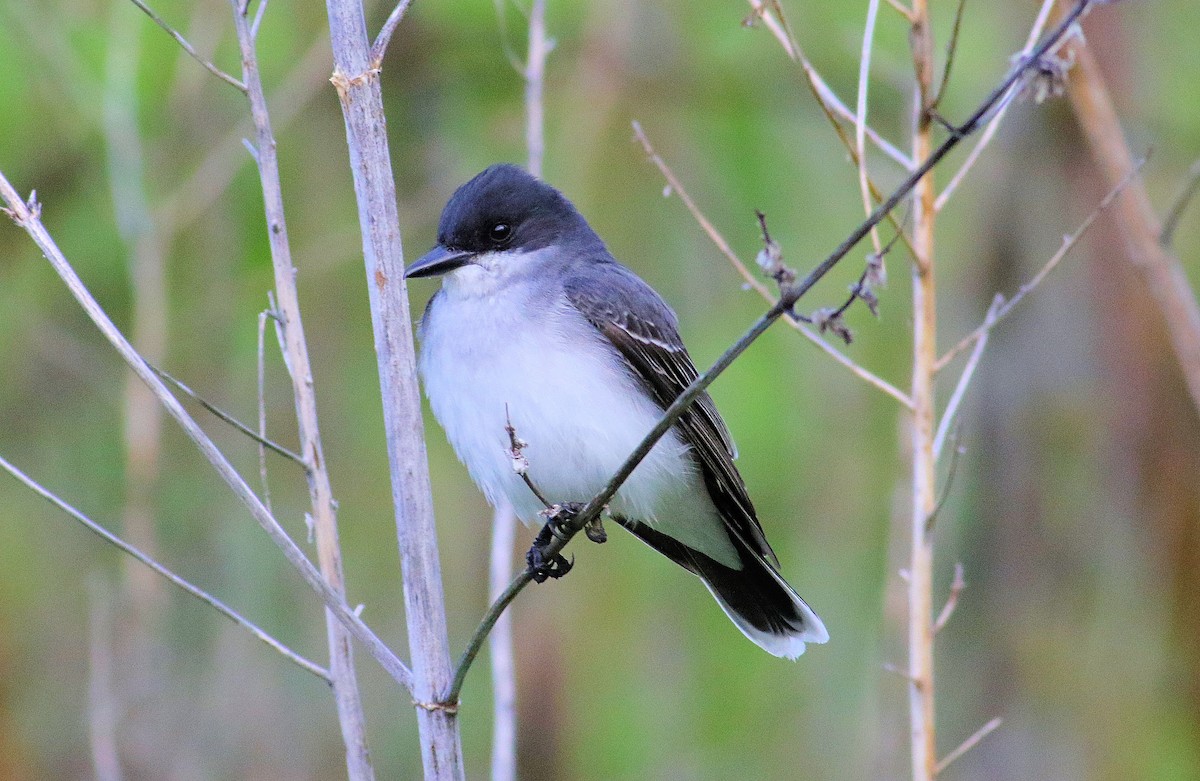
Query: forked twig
[
  {"x": 187, "y": 47},
  {"x": 753, "y": 280},
  {"x": 1068, "y": 243},
  {"x": 26, "y": 214}
]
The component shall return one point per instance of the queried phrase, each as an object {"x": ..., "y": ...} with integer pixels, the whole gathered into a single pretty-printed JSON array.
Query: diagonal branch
[
  {"x": 26, "y": 214},
  {"x": 1068, "y": 243},
  {"x": 1039, "y": 25},
  {"x": 787, "y": 300},
  {"x": 753, "y": 281},
  {"x": 1171, "y": 221},
  {"x": 187, "y": 47},
  {"x": 772, "y": 16},
  {"x": 170, "y": 576}
]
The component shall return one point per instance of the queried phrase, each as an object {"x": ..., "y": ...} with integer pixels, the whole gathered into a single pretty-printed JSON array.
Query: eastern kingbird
[{"x": 538, "y": 324}]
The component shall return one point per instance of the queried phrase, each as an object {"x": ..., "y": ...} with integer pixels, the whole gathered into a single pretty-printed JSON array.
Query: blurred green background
[{"x": 1075, "y": 510}]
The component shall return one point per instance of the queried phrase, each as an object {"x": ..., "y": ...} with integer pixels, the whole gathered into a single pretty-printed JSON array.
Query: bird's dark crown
[{"x": 506, "y": 208}]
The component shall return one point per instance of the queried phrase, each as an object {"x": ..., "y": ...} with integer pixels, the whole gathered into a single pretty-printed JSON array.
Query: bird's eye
[{"x": 501, "y": 232}]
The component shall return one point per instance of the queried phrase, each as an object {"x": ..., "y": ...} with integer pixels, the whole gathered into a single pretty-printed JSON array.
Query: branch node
[{"x": 434, "y": 707}]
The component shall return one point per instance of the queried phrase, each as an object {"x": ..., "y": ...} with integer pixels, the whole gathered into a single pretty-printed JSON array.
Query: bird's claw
[{"x": 542, "y": 564}]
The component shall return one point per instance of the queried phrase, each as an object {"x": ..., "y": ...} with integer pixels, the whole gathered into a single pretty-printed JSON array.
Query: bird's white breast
[{"x": 491, "y": 350}]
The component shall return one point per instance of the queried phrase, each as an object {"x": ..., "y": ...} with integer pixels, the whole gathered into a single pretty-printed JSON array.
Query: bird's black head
[{"x": 503, "y": 209}]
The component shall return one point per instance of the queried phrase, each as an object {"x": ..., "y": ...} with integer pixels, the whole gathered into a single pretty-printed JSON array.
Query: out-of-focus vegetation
[{"x": 1076, "y": 509}]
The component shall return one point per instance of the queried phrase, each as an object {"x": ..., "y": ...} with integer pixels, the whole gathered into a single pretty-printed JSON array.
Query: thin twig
[
  {"x": 964, "y": 380},
  {"x": 262, "y": 409},
  {"x": 379, "y": 48},
  {"x": 969, "y": 743},
  {"x": 258, "y": 17},
  {"x": 860, "y": 116},
  {"x": 174, "y": 579},
  {"x": 224, "y": 416},
  {"x": 26, "y": 214},
  {"x": 767, "y": 11},
  {"x": 1171, "y": 221},
  {"x": 289, "y": 323},
  {"x": 753, "y": 280},
  {"x": 904, "y": 10},
  {"x": 951, "y": 472},
  {"x": 788, "y": 298},
  {"x": 187, "y": 47},
  {"x": 1039, "y": 24},
  {"x": 951, "y": 51},
  {"x": 956, "y": 588},
  {"x": 1068, "y": 243}
]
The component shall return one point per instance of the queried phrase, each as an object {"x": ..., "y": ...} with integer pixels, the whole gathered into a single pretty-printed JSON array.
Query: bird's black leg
[{"x": 544, "y": 565}]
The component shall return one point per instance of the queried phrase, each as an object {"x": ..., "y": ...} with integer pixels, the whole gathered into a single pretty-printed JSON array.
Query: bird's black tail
[{"x": 756, "y": 597}]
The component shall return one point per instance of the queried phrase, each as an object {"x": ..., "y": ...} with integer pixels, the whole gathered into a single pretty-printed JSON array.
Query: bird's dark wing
[{"x": 643, "y": 329}]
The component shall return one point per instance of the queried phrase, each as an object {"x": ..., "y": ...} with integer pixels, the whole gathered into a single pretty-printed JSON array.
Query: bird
[{"x": 539, "y": 328}]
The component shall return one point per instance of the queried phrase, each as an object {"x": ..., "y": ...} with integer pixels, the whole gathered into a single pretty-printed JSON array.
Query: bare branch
[
  {"x": 752, "y": 279},
  {"x": 170, "y": 576},
  {"x": 295, "y": 348},
  {"x": 951, "y": 51},
  {"x": 772, "y": 16},
  {"x": 359, "y": 92},
  {"x": 262, "y": 409},
  {"x": 860, "y": 116},
  {"x": 379, "y": 48},
  {"x": 964, "y": 380},
  {"x": 1171, "y": 221},
  {"x": 1160, "y": 270},
  {"x": 969, "y": 743},
  {"x": 258, "y": 17},
  {"x": 989, "y": 132},
  {"x": 26, "y": 214},
  {"x": 903, "y": 10},
  {"x": 187, "y": 47},
  {"x": 269, "y": 444},
  {"x": 956, "y": 588},
  {"x": 1068, "y": 243}
]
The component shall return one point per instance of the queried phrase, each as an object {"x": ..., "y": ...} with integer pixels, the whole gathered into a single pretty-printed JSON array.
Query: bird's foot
[
  {"x": 544, "y": 565},
  {"x": 595, "y": 531}
]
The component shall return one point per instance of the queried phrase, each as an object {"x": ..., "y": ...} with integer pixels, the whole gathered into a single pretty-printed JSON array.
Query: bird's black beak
[{"x": 437, "y": 261}]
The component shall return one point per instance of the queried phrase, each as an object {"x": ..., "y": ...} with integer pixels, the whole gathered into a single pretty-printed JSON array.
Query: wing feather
[{"x": 643, "y": 329}]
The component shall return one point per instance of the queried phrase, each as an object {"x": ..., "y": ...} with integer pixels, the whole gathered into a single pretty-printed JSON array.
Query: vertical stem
[
  {"x": 504, "y": 521},
  {"x": 535, "y": 68},
  {"x": 500, "y": 645},
  {"x": 358, "y": 88},
  {"x": 924, "y": 487},
  {"x": 341, "y": 655},
  {"x": 142, "y": 414}
]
